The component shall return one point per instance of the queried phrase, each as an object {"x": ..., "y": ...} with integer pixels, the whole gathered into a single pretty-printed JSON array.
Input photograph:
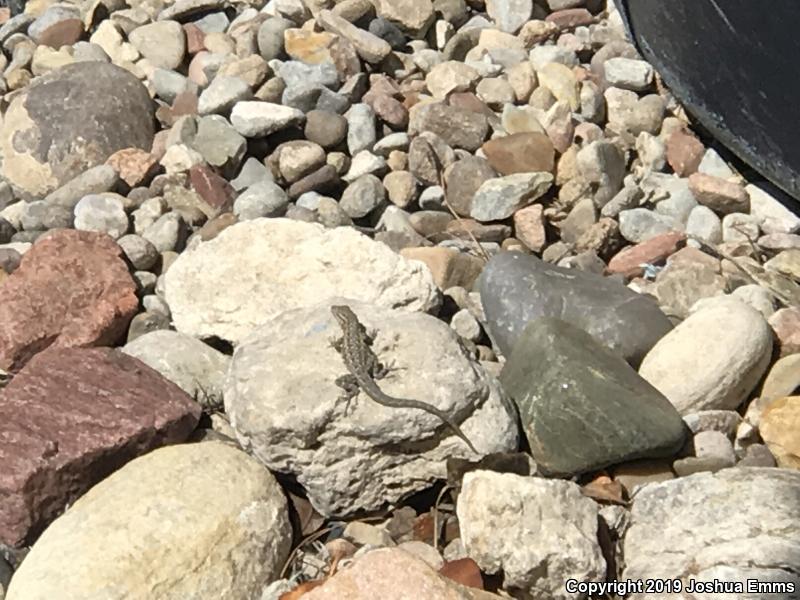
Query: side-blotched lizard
[{"x": 364, "y": 368}]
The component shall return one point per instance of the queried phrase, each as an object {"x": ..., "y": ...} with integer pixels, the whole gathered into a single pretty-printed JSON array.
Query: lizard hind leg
[{"x": 349, "y": 385}]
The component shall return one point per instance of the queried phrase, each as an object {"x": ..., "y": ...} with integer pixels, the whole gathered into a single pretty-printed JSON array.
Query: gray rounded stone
[
  {"x": 145, "y": 282},
  {"x": 325, "y": 128},
  {"x": 168, "y": 84},
  {"x": 735, "y": 525},
  {"x": 41, "y": 216},
  {"x": 303, "y": 97},
  {"x": 88, "y": 52},
  {"x": 7, "y": 230},
  {"x": 219, "y": 143},
  {"x": 70, "y": 120},
  {"x": 155, "y": 304},
  {"x": 186, "y": 361},
  {"x": 432, "y": 198},
  {"x": 498, "y": 198},
  {"x": 141, "y": 253},
  {"x": 222, "y": 94},
  {"x": 703, "y": 223},
  {"x": 509, "y": 15},
  {"x": 362, "y": 196},
  {"x": 295, "y": 73},
  {"x": 640, "y": 224},
  {"x": 262, "y": 199},
  {"x": 9, "y": 259},
  {"x": 145, "y": 323},
  {"x": 169, "y": 232},
  {"x": 516, "y": 288},
  {"x": 361, "y": 134},
  {"x": 101, "y": 213},
  {"x": 251, "y": 172},
  {"x": 270, "y": 37}
]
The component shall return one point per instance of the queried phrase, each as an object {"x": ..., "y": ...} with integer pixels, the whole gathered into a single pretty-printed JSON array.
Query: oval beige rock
[
  {"x": 185, "y": 522},
  {"x": 254, "y": 270},
  {"x": 713, "y": 359}
]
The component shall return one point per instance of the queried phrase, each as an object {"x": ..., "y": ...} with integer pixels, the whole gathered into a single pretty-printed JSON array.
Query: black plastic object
[{"x": 733, "y": 65}]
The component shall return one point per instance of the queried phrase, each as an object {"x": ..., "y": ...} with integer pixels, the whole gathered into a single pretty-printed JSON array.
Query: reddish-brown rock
[
  {"x": 570, "y": 17},
  {"x": 72, "y": 288},
  {"x": 653, "y": 251},
  {"x": 184, "y": 104},
  {"x": 470, "y": 102},
  {"x": 520, "y": 153},
  {"x": 213, "y": 227},
  {"x": 61, "y": 33},
  {"x": 195, "y": 38},
  {"x": 529, "y": 227},
  {"x": 379, "y": 83},
  {"x": 388, "y": 109},
  {"x": 721, "y": 196},
  {"x": 684, "y": 152},
  {"x": 463, "y": 178},
  {"x": 70, "y": 418},
  {"x": 214, "y": 190},
  {"x": 786, "y": 325}
]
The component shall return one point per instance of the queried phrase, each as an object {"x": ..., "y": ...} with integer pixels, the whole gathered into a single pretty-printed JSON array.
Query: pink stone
[
  {"x": 215, "y": 191},
  {"x": 72, "y": 417},
  {"x": 529, "y": 227},
  {"x": 786, "y": 325},
  {"x": 390, "y": 110},
  {"x": 684, "y": 152},
  {"x": 195, "y": 38},
  {"x": 722, "y": 196},
  {"x": 134, "y": 165},
  {"x": 72, "y": 288},
  {"x": 652, "y": 251}
]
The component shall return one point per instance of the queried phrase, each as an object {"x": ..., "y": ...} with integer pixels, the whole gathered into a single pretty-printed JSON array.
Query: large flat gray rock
[
  {"x": 730, "y": 526},
  {"x": 516, "y": 288}
]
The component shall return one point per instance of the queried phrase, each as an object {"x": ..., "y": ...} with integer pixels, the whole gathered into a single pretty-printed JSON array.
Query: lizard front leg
[{"x": 379, "y": 370}]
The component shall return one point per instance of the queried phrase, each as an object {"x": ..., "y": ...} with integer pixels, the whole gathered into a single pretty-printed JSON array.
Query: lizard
[{"x": 364, "y": 368}]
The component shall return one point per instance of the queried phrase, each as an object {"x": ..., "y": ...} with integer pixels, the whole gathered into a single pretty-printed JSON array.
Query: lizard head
[{"x": 343, "y": 313}]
